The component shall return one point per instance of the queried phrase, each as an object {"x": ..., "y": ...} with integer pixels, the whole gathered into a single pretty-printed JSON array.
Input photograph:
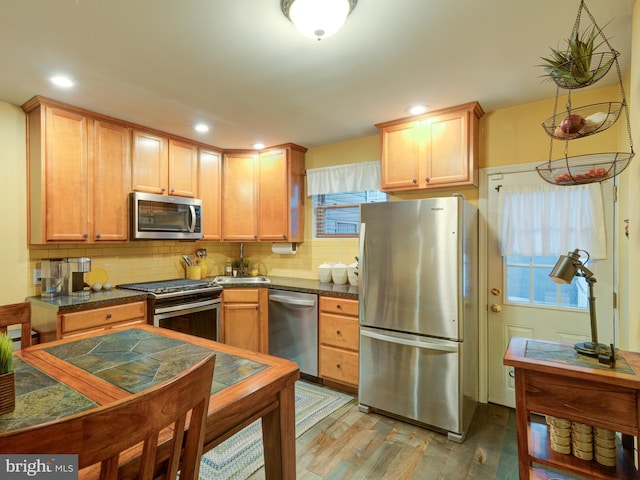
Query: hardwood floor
[{"x": 352, "y": 445}]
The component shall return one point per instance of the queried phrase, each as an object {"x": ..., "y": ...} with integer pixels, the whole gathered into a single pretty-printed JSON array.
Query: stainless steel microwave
[{"x": 164, "y": 217}]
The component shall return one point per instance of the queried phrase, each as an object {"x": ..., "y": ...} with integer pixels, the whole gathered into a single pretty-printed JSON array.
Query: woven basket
[{"x": 7, "y": 393}]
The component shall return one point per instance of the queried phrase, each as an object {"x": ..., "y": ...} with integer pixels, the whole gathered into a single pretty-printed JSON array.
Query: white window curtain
[
  {"x": 352, "y": 177},
  {"x": 550, "y": 220}
]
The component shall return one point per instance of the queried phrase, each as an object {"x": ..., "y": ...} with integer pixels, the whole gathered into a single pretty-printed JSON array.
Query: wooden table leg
[
  {"x": 279, "y": 438},
  {"x": 522, "y": 425}
]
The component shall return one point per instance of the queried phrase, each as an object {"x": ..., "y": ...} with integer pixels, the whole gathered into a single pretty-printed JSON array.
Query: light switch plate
[{"x": 37, "y": 276}]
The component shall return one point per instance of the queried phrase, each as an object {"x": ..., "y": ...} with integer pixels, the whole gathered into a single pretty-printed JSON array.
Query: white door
[{"x": 511, "y": 314}]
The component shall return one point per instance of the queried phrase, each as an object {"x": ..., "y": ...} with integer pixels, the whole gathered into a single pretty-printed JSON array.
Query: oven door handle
[{"x": 186, "y": 308}]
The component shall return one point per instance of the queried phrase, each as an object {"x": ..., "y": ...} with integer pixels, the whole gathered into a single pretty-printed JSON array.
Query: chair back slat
[
  {"x": 100, "y": 434},
  {"x": 17, "y": 314}
]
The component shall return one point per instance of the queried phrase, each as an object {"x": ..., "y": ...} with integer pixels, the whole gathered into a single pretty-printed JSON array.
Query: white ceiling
[{"x": 242, "y": 67}]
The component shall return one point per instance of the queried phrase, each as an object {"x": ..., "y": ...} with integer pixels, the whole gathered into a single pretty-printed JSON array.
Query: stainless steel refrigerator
[{"x": 419, "y": 312}]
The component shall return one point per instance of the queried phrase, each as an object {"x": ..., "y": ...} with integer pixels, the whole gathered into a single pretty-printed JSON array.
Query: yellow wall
[{"x": 14, "y": 256}]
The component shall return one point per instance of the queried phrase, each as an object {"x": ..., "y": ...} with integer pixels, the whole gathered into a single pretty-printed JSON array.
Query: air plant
[
  {"x": 573, "y": 67},
  {"x": 6, "y": 354}
]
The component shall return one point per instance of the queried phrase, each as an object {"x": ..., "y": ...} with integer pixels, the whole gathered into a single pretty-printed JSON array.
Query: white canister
[
  {"x": 339, "y": 273},
  {"x": 352, "y": 274},
  {"x": 324, "y": 273}
]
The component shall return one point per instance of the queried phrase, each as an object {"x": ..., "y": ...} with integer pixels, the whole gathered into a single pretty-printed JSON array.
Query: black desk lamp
[{"x": 567, "y": 267}]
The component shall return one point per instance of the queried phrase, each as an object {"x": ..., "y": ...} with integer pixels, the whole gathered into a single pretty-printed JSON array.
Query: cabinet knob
[
  {"x": 337, "y": 365},
  {"x": 339, "y": 307},
  {"x": 284, "y": 237},
  {"x": 337, "y": 332},
  {"x": 109, "y": 315},
  {"x": 414, "y": 180},
  {"x": 173, "y": 190},
  {"x": 98, "y": 235},
  {"x": 163, "y": 189},
  {"x": 86, "y": 235},
  {"x": 426, "y": 180},
  {"x": 257, "y": 307},
  {"x": 255, "y": 236}
]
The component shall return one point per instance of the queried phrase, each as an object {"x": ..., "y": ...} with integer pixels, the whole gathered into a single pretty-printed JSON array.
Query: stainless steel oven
[{"x": 187, "y": 306}]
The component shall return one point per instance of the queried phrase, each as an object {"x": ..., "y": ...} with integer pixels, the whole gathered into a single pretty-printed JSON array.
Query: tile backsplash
[{"x": 161, "y": 260}]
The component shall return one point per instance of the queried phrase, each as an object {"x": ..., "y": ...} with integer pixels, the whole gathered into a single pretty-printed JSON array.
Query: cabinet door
[
  {"x": 183, "y": 169},
  {"x": 401, "y": 156},
  {"x": 111, "y": 181},
  {"x": 239, "y": 198},
  {"x": 273, "y": 194},
  {"x": 66, "y": 176},
  {"x": 210, "y": 192},
  {"x": 150, "y": 169},
  {"x": 447, "y": 145},
  {"x": 242, "y": 326}
]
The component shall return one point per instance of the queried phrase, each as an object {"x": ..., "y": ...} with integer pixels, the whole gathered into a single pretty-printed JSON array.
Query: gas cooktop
[{"x": 174, "y": 287}]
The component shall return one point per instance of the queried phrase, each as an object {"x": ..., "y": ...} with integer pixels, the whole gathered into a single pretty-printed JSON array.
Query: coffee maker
[
  {"x": 73, "y": 283},
  {"x": 52, "y": 275}
]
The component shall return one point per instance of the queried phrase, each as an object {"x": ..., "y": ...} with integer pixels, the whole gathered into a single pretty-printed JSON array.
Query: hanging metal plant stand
[{"x": 577, "y": 67}]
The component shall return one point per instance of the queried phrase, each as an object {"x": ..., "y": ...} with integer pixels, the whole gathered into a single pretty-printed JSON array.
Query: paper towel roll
[{"x": 284, "y": 248}]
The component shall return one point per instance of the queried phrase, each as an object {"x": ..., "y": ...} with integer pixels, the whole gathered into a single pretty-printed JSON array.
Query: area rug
[{"x": 241, "y": 455}]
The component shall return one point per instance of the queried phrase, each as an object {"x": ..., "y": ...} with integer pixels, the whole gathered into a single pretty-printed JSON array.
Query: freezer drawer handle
[
  {"x": 292, "y": 300},
  {"x": 410, "y": 343}
]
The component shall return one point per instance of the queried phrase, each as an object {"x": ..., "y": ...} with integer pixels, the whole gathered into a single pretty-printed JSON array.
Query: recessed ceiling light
[
  {"x": 62, "y": 81},
  {"x": 201, "y": 127},
  {"x": 417, "y": 109},
  {"x": 258, "y": 146}
]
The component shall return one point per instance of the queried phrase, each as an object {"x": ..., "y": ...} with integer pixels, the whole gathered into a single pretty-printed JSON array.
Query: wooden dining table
[{"x": 71, "y": 375}]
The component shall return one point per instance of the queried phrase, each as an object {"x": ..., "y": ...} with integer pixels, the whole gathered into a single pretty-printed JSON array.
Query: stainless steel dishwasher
[{"x": 293, "y": 328}]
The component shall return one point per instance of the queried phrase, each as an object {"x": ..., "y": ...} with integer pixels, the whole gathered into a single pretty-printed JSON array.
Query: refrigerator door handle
[
  {"x": 444, "y": 347},
  {"x": 362, "y": 277}
]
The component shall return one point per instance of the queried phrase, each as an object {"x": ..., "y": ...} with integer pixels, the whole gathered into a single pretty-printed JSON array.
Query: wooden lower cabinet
[
  {"x": 245, "y": 318},
  {"x": 339, "y": 337},
  {"x": 104, "y": 318},
  {"x": 52, "y": 325}
]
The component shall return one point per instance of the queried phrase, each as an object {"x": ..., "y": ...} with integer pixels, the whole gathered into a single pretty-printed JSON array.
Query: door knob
[{"x": 496, "y": 308}]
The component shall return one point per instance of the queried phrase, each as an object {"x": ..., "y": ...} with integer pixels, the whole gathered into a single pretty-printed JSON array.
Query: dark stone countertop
[
  {"x": 115, "y": 295},
  {"x": 94, "y": 300},
  {"x": 306, "y": 286}
]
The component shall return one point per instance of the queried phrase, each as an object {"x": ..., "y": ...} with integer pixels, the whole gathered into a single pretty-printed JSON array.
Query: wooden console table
[{"x": 552, "y": 379}]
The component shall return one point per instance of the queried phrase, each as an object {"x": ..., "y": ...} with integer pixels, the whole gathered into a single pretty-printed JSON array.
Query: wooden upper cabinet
[
  {"x": 150, "y": 163},
  {"x": 438, "y": 149},
  {"x": 281, "y": 195},
  {"x": 78, "y": 175},
  {"x": 164, "y": 165},
  {"x": 111, "y": 180},
  {"x": 210, "y": 192},
  {"x": 65, "y": 179},
  {"x": 183, "y": 169},
  {"x": 239, "y": 196}
]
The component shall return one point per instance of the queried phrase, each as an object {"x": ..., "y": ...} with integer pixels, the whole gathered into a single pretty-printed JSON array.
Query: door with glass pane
[{"x": 523, "y": 301}]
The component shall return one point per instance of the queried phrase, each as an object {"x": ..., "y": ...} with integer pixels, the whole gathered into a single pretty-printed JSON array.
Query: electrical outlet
[{"x": 37, "y": 276}]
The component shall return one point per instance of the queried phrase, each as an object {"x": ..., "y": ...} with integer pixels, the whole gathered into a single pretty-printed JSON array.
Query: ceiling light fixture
[
  {"x": 317, "y": 18},
  {"x": 201, "y": 127},
  {"x": 62, "y": 81},
  {"x": 417, "y": 109},
  {"x": 258, "y": 146}
]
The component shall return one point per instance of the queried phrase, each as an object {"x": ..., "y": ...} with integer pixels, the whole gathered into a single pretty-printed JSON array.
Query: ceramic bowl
[
  {"x": 604, "y": 442},
  {"x": 582, "y": 437},
  {"x": 562, "y": 441},
  {"x": 580, "y": 427},
  {"x": 558, "y": 422},
  {"x": 604, "y": 433},
  {"x": 583, "y": 455},
  {"x": 582, "y": 446},
  {"x": 607, "y": 461},
  {"x": 561, "y": 448},
  {"x": 560, "y": 432}
]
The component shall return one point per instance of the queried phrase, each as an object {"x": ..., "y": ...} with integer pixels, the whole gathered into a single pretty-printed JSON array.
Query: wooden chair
[
  {"x": 99, "y": 435},
  {"x": 16, "y": 314}
]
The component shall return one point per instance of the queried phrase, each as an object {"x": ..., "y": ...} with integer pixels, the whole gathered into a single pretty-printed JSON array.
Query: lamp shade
[
  {"x": 566, "y": 267},
  {"x": 319, "y": 18}
]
